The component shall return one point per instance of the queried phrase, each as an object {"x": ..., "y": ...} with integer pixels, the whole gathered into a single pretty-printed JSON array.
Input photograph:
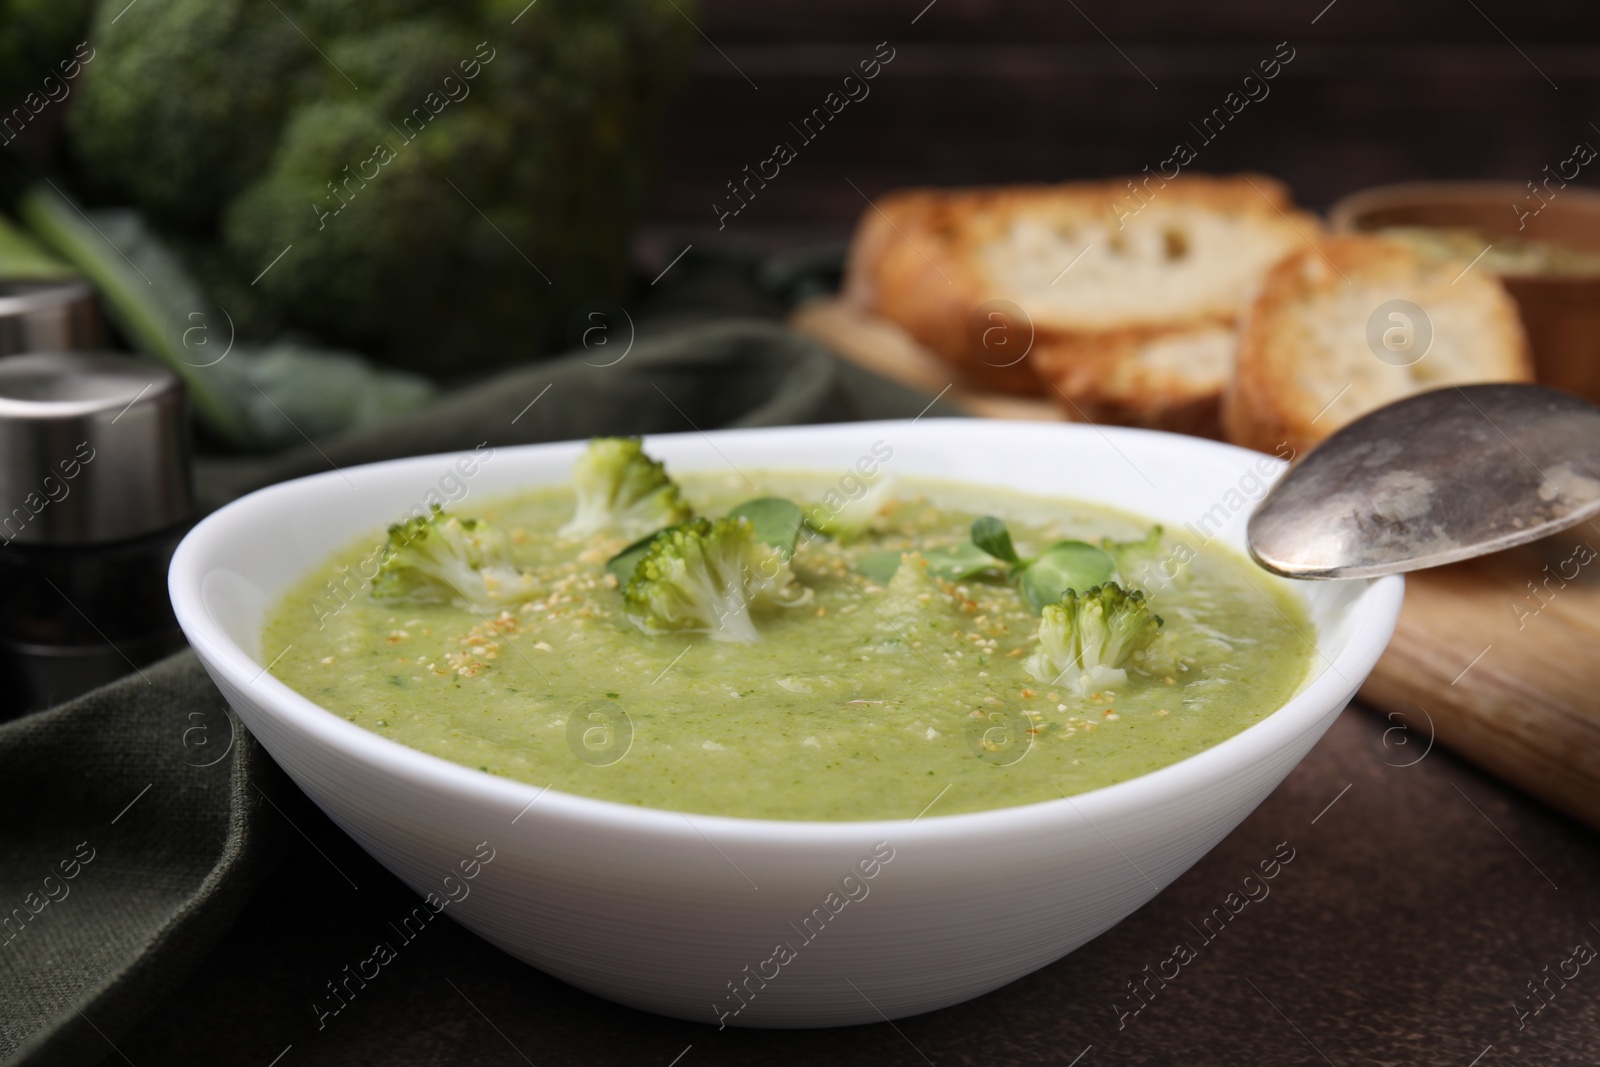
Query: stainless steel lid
[
  {"x": 47, "y": 317},
  {"x": 93, "y": 449}
]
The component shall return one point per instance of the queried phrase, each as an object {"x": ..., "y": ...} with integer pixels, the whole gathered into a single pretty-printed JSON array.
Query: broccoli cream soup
[{"x": 923, "y": 646}]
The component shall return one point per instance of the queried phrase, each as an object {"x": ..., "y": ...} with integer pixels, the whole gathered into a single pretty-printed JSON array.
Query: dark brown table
[{"x": 1422, "y": 900}]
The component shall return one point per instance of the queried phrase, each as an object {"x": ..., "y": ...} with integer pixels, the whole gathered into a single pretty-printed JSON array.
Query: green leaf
[
  {"x": 963, "y": 561},
  {"x": 991, "y": 535},
  {"x": 624, "y": 563},
  {"x": 880, "y": 566},
  {"x": 1066, "y": 565},
  {"x": 776, "y": 521}
]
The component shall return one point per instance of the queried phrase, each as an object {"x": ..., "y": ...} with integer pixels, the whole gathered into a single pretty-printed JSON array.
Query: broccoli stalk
[
  {"x": 621, "y": 490},
  {"x": 440, "y": 559},
  {"x": 1086, "y": 639},
  {"x": 706, "y": 577}
]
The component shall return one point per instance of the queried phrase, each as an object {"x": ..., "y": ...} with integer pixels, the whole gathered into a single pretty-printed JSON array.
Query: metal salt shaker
[{"x": 94, "y": 496}]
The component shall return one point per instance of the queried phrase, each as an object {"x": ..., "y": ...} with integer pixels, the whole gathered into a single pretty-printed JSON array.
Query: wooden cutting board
[{"x": 1497, "y": 659}]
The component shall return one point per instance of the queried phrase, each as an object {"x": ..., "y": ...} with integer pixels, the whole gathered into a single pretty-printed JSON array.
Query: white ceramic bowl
[{"x": 683, "y": 914}]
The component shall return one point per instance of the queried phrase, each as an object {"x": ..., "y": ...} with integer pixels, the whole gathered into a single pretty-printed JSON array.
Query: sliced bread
[
  {"x": 1359, "y": 322},
  {"x": 1130, "y": 283},
  {"x": 1167, "y": 380}
]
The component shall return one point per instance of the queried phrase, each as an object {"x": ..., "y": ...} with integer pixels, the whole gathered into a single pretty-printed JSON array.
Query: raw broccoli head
[
  {"x": 1087, "y": 639},
  {"x": 447, "y": 183},
  {"x": 38, "y": 41},
  {"x": 707, "y": 577},
  {"x": 621, "y": 490},
  {"x": 440, "y": 559}
]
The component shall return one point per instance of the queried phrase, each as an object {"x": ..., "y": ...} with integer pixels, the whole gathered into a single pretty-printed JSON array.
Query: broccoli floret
[
  {"x": 1086, "y": 639},
  {"x": 706, "y": 577},
  {"x": 908, "y": 594},
  {"x": 623, "y": 491},
  {"x": 440, "y": 559},
  {"x": 851, "y": 516},
  {"x": 914, "y": 608},
  {"x": 1136, "y": 560}
]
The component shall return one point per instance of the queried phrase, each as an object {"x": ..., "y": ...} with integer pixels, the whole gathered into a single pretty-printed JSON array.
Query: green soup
[{"x": 841, "y": 711}]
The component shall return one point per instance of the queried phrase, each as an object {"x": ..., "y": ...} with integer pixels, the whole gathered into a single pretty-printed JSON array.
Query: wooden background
[{"x": 1013, "y": 90}]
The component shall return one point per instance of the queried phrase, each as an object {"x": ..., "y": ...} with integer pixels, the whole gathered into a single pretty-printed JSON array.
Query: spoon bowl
[{"x": 1435, "y": 478}]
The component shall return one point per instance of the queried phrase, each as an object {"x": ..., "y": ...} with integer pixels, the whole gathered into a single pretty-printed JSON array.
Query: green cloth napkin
[{"x": 139, "y": 818}]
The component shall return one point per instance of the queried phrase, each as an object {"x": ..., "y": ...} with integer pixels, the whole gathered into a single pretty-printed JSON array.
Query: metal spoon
[{"x": 1437, "y": 477}]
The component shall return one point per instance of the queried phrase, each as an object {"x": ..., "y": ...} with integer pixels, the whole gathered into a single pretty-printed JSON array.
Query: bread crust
[
  {"x": 1309, "y": 329},
  {"x": 1113, "y": 379},
  {"x": 918, "y": 260}
]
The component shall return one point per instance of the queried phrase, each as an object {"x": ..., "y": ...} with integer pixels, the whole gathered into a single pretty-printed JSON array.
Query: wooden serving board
[
  {"x": 1497, "y": 659},
  {"x": 884, "y": 348}
]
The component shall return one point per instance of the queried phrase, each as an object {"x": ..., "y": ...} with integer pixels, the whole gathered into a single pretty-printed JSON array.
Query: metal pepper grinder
[{"x": 94, "y": 496}]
